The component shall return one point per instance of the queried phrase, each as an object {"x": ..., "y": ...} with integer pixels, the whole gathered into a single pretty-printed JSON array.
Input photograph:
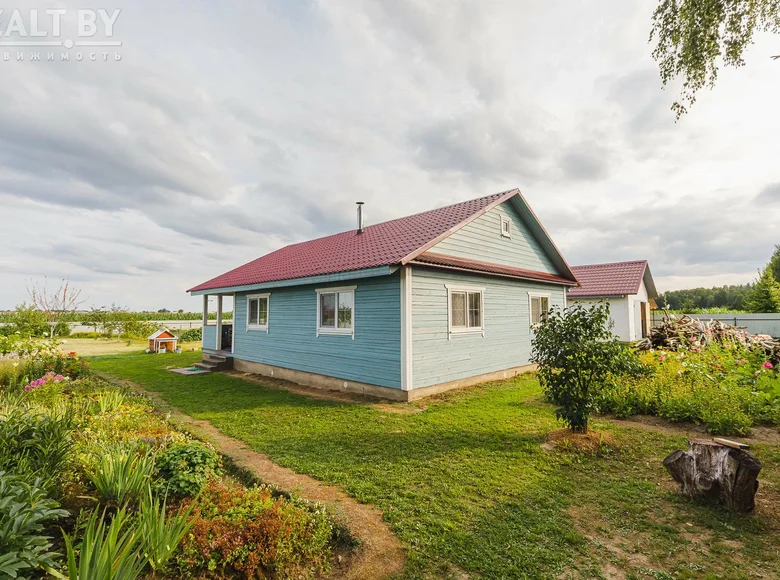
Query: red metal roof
[
  {"x": 477, "y": 266},
  {"x": 616, "y": 279},
  {"x": 384, "y": 244}
]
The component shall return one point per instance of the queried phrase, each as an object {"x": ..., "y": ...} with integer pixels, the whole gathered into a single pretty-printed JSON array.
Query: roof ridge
[
  {"x": 611, "y": 263},
  {"x": 403, "y": 217}
]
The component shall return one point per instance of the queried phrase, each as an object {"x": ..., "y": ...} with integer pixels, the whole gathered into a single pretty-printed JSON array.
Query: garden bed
[
  {"x": 103, "y": 476},
  {"x": 727, "y": 389}
]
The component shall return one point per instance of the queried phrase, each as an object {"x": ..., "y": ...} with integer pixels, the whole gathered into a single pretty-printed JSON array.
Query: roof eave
[
  {"x": 528, "y": 278},
  {"x": 319, "y": 279}
]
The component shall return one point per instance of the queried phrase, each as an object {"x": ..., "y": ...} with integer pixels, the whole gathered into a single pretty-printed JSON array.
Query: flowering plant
[{"x": 48, "y": 378}]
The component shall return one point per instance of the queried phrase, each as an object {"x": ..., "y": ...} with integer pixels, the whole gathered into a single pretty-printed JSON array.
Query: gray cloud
[
  {"x": 770, "y": 195},
  {"x": 586, "y": 161}
]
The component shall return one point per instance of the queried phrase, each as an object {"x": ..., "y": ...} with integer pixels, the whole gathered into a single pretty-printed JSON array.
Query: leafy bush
[
  {"x": 191, "y": 335},
  {"x": 34, "y": 442},
  {"x": 123, "y": 474},
  {"x": 107, "y": 550},
  {"x": 249, "y": 532},
  {"x": 24, "y": 509},
  {"x": 185, "y": 467},
  {"x": 577, "y": 355}
]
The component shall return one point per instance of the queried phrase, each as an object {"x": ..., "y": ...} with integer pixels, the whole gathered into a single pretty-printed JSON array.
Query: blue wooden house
[{"x": 401, "y": 309}]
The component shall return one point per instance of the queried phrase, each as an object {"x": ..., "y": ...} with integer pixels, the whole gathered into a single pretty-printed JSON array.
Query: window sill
[
  {"x": 260, "y": 328},
  {"x": 336, "y": 331},
  {"x": 467, "y": 332}
]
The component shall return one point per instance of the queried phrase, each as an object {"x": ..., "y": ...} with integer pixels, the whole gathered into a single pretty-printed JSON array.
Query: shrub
[
  {"x": 24, "y": 509},
  {"x": 577, "y": 354},
  {"x": 62, "y": 329},
  {"x": 107, "y": 550},
  {"x": 123, "y": 474},
  {"x": 191, "y": 335},
  {"x": 185, "y": 467},
  {"x": 85, "y": 335},
  {"x": 248, "y": 532},
  {"x": 34, "y": 442}
]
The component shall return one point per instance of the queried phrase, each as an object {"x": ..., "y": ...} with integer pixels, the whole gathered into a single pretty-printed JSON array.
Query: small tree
[
  {"x": 576, "y": 353},
  {"x": 765, "y": 295},
  {"x": 54, "y": 304}
]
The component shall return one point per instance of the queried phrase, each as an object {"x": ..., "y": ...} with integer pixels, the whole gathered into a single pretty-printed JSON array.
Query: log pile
[
  {"x": 675, "y": 333},
  {"x": 716, "y": 472}
]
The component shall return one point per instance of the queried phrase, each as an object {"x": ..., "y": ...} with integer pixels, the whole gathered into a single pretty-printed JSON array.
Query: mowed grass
[
  {"x": 467, "y": 487},
  {"x": 106, "y": 346}
]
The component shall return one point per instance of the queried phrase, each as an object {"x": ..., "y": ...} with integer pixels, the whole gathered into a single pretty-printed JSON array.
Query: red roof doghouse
[{"x": 162, "y": 341}]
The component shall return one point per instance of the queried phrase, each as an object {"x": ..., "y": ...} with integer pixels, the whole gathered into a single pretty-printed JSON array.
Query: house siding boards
[
  {"x": 481, "y": 240},
  {"x": 210, "y": 336},
  {"x": 372, "y": 357},
  {"x": 438, "y": 358}
]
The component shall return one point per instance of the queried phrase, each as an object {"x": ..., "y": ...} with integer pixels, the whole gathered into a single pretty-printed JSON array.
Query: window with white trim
[
  {"x": 539, "y": 306},
  {"x": 336, "y": 310},
  {"x": 257, "y": 311},
  {"x": 506, "y": 227},
  {"x": 465, "y": 306}
]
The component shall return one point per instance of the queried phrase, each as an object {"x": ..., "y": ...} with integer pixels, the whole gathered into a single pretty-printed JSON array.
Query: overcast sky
[{"x": 223, "y": 134}]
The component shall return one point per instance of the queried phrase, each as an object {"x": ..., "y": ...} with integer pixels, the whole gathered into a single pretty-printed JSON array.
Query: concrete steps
[{"x": 215, "y": 362}]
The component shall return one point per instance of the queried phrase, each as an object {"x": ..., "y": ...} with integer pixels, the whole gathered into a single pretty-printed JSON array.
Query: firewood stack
[{"x": 675, "y": 333}]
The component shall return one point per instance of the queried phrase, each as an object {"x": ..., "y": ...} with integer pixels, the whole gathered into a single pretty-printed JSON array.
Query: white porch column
[
  {"x": 205, "y": 309},
  {"x": 219, "y": 321}
]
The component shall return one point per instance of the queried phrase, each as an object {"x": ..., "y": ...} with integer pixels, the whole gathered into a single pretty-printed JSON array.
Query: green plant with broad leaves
[
  {"x": 25, "y": 508},
  {"x": 577, "y": 354},
  {"x": 34, "y": 441},
  {"x": 185, "y": 467},
  {"x": 122, "y": 474},
  {"x": 109, "y": 549}
]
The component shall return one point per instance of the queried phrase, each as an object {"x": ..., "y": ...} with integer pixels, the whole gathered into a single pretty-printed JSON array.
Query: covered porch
[{"x": 218, "y": 332}]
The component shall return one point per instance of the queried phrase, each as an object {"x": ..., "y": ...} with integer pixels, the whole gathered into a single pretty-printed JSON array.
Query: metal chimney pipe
[{"x": 360, "y": 216}]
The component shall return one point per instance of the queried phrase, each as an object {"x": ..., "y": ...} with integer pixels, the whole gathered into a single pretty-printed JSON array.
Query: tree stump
[{"x": 717, "y": 473}]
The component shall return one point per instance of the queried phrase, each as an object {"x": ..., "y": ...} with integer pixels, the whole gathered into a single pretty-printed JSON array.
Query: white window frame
[
  {"x": 336, "y": 330},
  {"x": 508, "y": 222},
  {"x": 466, "y": 329},
  {"x": 531, "y": 296},
  {"x": 251, "y": 326}
]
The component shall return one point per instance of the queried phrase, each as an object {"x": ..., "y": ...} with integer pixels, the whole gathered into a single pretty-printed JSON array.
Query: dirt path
[
  {"x": 758, "y": 434},
  {"x": 380, "y": 554}
]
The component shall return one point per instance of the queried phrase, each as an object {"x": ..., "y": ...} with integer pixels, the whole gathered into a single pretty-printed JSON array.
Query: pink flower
[
  {"x": 767, "y": 365},
  {"x": 662, "y": 358}
]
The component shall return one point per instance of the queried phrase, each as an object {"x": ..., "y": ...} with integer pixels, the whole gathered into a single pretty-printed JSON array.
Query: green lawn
[{"x": 467, "y": 487}]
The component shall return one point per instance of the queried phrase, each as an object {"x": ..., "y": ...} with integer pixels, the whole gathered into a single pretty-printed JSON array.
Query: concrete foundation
[{"x": 334, "y": 384}]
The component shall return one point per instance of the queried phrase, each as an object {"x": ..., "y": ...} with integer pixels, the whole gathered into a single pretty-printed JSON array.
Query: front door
[{"x": 227, "y": 337}]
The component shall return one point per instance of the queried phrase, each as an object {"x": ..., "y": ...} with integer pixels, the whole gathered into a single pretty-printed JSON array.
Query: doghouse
[{"x": 162, "y": 341}]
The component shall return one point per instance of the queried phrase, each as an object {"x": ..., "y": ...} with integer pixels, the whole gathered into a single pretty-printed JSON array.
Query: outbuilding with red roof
[
  {"x": 399, "y": 309},
  {"x": 629, "y": 289}
]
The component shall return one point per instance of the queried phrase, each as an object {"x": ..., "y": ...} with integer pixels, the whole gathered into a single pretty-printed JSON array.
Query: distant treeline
[
  {"x": 712, "y": 300},
  {"x": 86, "y": 317}
]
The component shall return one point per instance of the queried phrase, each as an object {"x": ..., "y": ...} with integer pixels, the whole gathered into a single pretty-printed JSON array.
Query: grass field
[
  {"x": 467, "y": 487},
  {"x": 105, "y": 346}
]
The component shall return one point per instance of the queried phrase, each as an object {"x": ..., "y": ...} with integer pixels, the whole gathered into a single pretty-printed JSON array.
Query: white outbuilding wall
[{"x": 624, "y": 311}]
